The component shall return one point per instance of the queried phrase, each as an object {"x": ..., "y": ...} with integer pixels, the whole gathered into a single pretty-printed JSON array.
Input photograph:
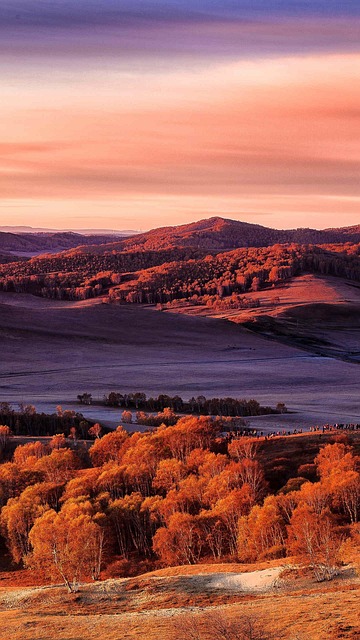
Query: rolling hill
[
  {"x": 35, "y": 243},
  {"x": 223, "y": 234}
]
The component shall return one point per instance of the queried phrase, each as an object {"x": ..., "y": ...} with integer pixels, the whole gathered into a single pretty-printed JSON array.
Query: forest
[
  {"x": 187, "y": 274},
  {"x": 177, "y": 495}
]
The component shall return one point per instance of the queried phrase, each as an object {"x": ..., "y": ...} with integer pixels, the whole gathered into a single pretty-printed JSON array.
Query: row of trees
[
  {"x": 174, "y": 496},
  {"x": 28, "y": 422},
  {"x": 198, "y": 406}
]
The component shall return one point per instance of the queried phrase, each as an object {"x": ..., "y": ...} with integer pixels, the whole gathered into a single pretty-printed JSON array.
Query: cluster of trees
[
  {"x": 199, "y": 405},
  {"x": 78, "y": 274},
  {"x": 216, "y": 302},
  {"x": 179, "y": 495},
  {"x": 235, "y": 272},
  {"x": 28, "y": 422},
  {"x": 180, "y": 273}
]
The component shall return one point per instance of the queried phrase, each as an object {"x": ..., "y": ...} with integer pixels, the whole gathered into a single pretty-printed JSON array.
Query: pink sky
[{"x": 273, "y": 139}]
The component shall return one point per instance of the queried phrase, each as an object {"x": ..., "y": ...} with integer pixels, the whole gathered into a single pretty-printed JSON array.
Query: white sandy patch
[{"x": 252, "y": 581}]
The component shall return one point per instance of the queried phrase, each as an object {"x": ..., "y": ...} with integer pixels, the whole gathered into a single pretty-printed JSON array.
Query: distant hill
[
  {"x": 85, "y": 232},
  {"x": 221, "y": 234},
  {"x": 212, "y": 234},
  {"x": 35, "y": 243}
]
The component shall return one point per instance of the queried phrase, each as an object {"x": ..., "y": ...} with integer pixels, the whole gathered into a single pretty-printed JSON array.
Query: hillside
[
  {"x": 131, "y": 348},
  {"x": 174, "y": 274},
  {"x": 221, "y": 234},
  {"x": 35, "y": 243},
  {"x": 317, "y": 313},
  {"x": 184, "y": 601},
  {"x": 224, "y": 234}
]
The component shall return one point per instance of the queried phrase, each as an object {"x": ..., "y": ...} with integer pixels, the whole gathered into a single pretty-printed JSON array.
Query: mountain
[
  {"x": 212, "y": 234},
  {"x": 221, "y": 234}
]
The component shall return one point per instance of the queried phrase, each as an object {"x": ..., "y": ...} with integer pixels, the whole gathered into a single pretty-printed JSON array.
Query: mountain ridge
[{"x": 223, "y": 234}]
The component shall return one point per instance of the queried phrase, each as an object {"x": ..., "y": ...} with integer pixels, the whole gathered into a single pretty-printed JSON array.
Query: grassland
[
  {"x": 51, "y": 351},
  {"x": 166, "y": 604}
]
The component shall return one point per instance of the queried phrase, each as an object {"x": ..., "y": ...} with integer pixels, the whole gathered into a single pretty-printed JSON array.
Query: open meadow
[{"x": 53, "y": 350}]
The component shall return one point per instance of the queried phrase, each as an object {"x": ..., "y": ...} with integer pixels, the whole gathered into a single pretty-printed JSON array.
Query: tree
[
  {"x": 168, "y": 475},
  {"x": 346, "y": 494},
  {"x": 19, "y": 515},
  {"x": 85, "y": 398},
  {"x": 334, "y": 459},
  {"x": 315, "y": 542},
  {"x": 5, "y": 434},
  {"x": 179, "y": 542},
  {"x": 59, "y": 466},
  {"x": 245, "y": 447},
  {"x": 58, "y": 441},
  {"x": 262, "y": 533},
  {"x": 67, "y": 544},
  {"x": 95, "y": 430},
  {"x": 26, "y": 455},
  {"x": 109, "y": 447}
]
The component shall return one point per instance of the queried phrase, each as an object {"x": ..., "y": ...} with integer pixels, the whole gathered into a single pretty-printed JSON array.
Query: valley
[{"x": 53, "y": 350}]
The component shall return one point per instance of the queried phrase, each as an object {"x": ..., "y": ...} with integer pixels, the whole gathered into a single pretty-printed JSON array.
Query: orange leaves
[
  {"x": 108, "y": 448},
  {"x": 315, "y": 541},
  {"x": 68, "y": 544},
  {"x": 5, "y": 434},
  {"x": 180, "y": 542},
  {"x": 168, "y": 475},
  {"x": 334, "y": 459},
  {"x": 26, "y": 455},
  {"x": 171, "y": 493},
  {"x": 58, "y": 467},
  {"x": 245, "y": 447},
  {"x": 262, "y": 533}
]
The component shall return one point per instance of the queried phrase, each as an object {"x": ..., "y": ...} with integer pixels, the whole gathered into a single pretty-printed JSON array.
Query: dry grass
[{"x": 157, "y": 606}]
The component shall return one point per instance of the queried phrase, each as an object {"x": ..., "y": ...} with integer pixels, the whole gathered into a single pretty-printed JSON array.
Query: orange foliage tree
[
  {"x": 314, "y": 541},
  {"x": 68, "y": 544}
]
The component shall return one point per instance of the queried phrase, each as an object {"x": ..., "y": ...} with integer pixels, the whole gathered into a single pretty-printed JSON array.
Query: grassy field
[
  {"x": 168, "y": 604},
  {"x": 51, "y": 351}
]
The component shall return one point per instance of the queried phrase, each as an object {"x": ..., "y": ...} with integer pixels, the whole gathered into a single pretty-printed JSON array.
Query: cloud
[
  {"x": 134, "y": 28},
  {"x": 67, "y": 13}
]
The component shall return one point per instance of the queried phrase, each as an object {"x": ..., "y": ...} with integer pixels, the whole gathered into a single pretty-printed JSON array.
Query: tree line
[
  {"x": 196, "y": 406},
  {"x": 28, "y": 422}
]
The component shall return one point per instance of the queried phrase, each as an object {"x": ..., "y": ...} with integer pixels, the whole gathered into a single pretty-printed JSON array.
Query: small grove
[{"x": 177, "y": 495}]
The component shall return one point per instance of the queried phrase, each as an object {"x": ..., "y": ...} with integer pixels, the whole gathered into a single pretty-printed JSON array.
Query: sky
[{"x": 129, "y": 114}]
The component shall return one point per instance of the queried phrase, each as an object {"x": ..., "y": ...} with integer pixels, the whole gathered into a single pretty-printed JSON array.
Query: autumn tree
[
  {"x": 108, "y": 447},
  {"x": 95, "y": 430},
  {"x": 262, "y": 533},
  {"x": 26, "y": 455},
  {"x": 58, "y": 441},
  {"x": 314, "y": 541},
  {"x": 59, "y": 466},
  {"x": 67, "y": 544},
  {"x": 5, "y": 434},
  {"x": 179, "y": 542},
  {"x": 19, "y": 515},
  {"x": 335, "y": 459}
]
